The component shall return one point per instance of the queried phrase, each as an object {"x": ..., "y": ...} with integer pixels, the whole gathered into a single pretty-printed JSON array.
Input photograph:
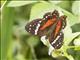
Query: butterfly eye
[{"x": 47, "y": 16}]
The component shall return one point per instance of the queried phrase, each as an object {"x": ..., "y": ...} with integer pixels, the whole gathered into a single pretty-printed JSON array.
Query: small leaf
[{"x": 69, "y": 37}]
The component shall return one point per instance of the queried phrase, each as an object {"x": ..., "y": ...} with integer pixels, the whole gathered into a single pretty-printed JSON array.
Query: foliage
[{"x": 17, "y": 44}]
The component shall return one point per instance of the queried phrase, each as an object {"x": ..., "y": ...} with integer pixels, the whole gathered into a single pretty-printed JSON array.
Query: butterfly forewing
[
  {"x": 50, "y": 18},
  {"x": 47, "y": 16},
  {"x": 33, "y": 26}
]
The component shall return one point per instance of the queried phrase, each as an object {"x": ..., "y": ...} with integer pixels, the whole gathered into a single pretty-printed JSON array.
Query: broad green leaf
[
  {"x": 19, "y": 3},
  {"x": 65, "y": 5},
  {"x": 72, "y": 19},
  {"x": 6, "y": 31},
  {"x": 39, "y": 9}
]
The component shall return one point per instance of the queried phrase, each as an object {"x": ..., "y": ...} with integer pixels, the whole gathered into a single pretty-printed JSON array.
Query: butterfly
[{"x": 50, "y": 26}]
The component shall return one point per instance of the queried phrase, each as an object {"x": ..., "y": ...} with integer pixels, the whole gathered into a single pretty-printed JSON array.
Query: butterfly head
[
  {"x": 47, "y": 16},
  {"x": 51, "y": 15},
  {"x": 55, "y": 13}
]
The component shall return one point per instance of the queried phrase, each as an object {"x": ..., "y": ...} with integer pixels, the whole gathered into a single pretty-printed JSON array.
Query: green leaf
[
  {"x": 39, "y": 9},
  {"x": 76, "y": 42},
  {"x": 19, "y": 3},
  {"x": 6, "y": 31},
  {"x": 65, "y": 5}
]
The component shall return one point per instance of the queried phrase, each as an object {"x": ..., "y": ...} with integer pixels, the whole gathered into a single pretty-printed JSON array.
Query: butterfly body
[{"x": 50, "y": 26}]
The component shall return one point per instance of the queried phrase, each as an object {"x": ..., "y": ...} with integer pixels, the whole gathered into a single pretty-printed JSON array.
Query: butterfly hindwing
[{"x": 57, "y": 43}]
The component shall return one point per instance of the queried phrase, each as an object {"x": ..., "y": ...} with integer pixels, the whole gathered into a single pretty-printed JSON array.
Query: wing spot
[
  {"x": 29, "y": 28},
  {"x": 40, "y": 21},
  {"x": 57, "y": 45},
  {"x": 62, "y": 26},
  {"x": 33, "y": 25},
  {"x": 60, "y": 34},
  {"x": 46, "y": 16},
  {"x": 30, "y": 25}
]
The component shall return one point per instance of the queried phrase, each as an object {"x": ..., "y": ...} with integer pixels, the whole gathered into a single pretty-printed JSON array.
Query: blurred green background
[{"x": 17, "y": 44}]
